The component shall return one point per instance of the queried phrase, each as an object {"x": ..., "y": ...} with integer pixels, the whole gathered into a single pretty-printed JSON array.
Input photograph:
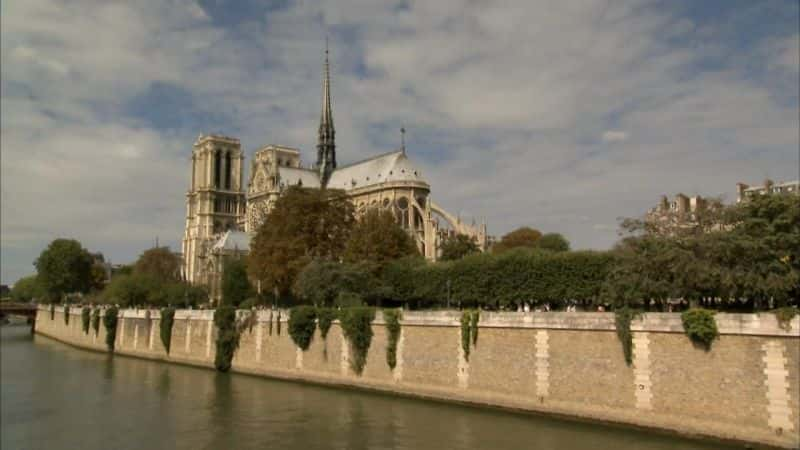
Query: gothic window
[
  {"x": 227, "y": 170},
  {"x": 217, "y": 172},
  {"x": 386, "y": 203}
]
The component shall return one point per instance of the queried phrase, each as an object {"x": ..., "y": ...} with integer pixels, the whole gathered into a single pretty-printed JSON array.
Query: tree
[
  {"x": 27, "y": 289},
  {"x": 458, "y": 246},
  {"x": 553, "y": 242},
  {"x": 236, "y": 287},
  {"x": 303, "y": 225},
  {"x": 160, "y": 263},
  {"x": 321, "y": 282},
  {"x": 521, "y": 237},
  {"x": 134, "y": 290},
  {"x": 377, "y": 239},
  {"x": 64, "y": 267}
]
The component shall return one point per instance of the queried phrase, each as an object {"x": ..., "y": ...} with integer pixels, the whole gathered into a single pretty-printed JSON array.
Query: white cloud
[{"x": 615, "y": 136}]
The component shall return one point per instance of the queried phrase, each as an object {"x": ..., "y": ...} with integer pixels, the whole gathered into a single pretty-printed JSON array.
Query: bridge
[{"x": 18, "y": 309}]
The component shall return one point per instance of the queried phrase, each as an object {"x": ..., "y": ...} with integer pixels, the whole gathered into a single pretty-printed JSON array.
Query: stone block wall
[{"x": 746, "y": 387}]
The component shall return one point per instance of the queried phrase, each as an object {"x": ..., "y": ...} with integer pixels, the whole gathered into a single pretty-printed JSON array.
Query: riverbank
[{"x": 745, "y": 388}]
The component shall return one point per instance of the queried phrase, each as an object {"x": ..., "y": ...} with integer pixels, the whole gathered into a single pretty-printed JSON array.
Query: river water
[{"x": 58, "y": 397}]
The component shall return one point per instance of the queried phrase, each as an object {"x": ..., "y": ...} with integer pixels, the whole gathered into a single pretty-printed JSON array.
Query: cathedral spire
[{"x": 326, "y": 137}]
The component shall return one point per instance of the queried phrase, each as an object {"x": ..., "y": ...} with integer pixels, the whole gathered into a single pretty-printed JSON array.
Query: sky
[{"x": 563, "y": 116}]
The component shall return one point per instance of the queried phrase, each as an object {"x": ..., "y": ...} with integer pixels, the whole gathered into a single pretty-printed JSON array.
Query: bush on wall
[
  {"x": 227, "y": 337},
  {"x": 356, "y": 325},
  {"x": 167, "y": 321},
  {"x": 66, "y": 315},
  {"x": 302, "y": 322},
  {"x": 110, "y": 322},
  {"x": 86, "y": 313},
  {"x": 52, "y": 311},
  {"x": 622, "y": 319},
  {"x": 96, "y": 320},
  {"x": 784, "y": 317},
  {"x": 469, "y": 330},
  {"x": 700, "y": 326},
  {"x": 392, "y": 318},
  {"x": 325, "y": 318}
]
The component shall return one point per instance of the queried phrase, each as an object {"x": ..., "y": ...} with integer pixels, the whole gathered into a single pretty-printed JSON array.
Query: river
[{"x": 58, "y": 397}]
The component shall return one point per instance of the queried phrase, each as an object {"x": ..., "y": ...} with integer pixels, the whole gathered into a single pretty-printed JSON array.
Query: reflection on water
[{"x": 58, "y": 397}]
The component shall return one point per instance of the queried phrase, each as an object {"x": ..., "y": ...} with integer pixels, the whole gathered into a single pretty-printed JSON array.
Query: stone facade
[{"x": 745, "y": 388}]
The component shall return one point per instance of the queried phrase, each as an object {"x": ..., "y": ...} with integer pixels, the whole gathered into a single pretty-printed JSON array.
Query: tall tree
[
  {"x": 303, "y": 225},
  {"x": 160, "y": 263},
  {"x": 554, "y": 242},
  {"x": 521, "y": 237},
  {"x": 236, "y": 287},
  {"x": 64, "y": 267},
  {"x": 377, "y": 239},
  {"x": 458, "y": 246},
  {"x": 27, "y": 289}
]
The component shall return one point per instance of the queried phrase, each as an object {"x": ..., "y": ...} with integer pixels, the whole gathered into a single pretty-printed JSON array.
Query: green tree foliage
[
  {"x": 357, "y": 328},
  {"x": 167, "y": 321},
  {"x": 110, "y": 322},
  {"x": 305, "y": 224},
  {"x": 458, "y": 246},
  {"x": 347, "y": 299},
  {"x": 521, "y": 237},
  {"x": 141, "y": 289},
  {"x": 235, "y": 285},
  {"x": 159, "y": 263},
  {"x": 64, "y": 267},
  {"x": 27, "y": 289},
  {"x": 392, "y": 318},
  {"x": 749, "y": 254},
  {"x": 554, "y": 242},
  {"x": 302, "y": 322},
  {"x": 227, "y": 337},
  {"x": 377, "y": 239},
  {"x": 321, "y": 282}
]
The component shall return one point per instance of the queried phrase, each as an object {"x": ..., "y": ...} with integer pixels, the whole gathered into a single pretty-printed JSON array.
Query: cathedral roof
[
  {"x": 291, "y": 176},
  {"x": 233, "y": 240},
  {"x": 392, "y": 166}
]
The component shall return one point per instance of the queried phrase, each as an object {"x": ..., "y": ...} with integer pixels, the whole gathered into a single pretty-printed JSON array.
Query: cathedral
[{"x": 223, "y": 213}]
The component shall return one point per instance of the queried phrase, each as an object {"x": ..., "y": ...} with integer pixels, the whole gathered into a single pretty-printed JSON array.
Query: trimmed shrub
[
  {"x": 250, "y": 303},
  {"x": 325, "y": 317},
  {"x": 473, "y": 324},
  {"x": 784, "y": 316},
  {"x": 622, "y": 319},
  {"x": 96, "y": 321},
  {"x": 227, "y": 337},
  {"x": 392, "y": 318},
  {"x": 167, "y": 320},
  {"x": 357, "y": 328},
  {"x": 86, "y": 313},
  {"x": 700, "y": 326},
  {"x": 110, "y": 322},
  {"x": 66, "y": 315},
  {"x": 302, "y": 324},
  {"x": 465, "y": 333},
  {"x": 278, "y": 325},
  {"x": 52, "y": 312}
]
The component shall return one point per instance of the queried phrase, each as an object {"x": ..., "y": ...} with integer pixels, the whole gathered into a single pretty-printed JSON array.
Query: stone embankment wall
[{"x": 745, "y": 388}]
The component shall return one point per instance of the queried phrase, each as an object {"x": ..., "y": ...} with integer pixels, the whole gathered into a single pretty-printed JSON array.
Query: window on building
[
  {"x": 228, "y": 174},
  {"x": 217, "y": 171}
]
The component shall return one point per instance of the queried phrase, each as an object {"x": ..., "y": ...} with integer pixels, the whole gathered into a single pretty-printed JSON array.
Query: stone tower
[
  {"x": 215, "y": 202},
  {"x": 326, "y": 137}
]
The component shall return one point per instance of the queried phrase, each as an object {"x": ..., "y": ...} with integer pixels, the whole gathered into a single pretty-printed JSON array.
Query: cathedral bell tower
[
  {"x": 326, "y": 137},
  {"x": 215, "y": 201}
]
